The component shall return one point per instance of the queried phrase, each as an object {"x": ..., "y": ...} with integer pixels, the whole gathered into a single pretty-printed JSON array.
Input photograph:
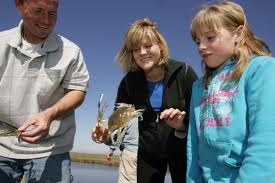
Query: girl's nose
[{"x": 201, "y": 46}]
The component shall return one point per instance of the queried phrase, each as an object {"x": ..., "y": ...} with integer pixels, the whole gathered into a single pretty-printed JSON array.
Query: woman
[{"x": 162, "y": 87}]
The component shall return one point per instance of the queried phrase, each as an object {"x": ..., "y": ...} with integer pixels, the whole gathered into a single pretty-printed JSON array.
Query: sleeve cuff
[{"x": 180, "y": 134}]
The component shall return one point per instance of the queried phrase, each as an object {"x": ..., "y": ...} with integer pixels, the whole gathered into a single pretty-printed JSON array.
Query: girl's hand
[
  {"x": 99, "y": 133},
  {"x": 174, "y": 118}
]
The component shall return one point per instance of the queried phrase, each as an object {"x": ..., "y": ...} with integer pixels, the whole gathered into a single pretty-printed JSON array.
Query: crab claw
[{"x": 18, "y": 133}]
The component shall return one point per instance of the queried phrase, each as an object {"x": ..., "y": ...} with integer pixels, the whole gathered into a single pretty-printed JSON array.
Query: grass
[{"x": 94, "y": 158}]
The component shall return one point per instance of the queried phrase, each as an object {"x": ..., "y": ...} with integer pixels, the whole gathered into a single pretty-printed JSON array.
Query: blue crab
[
  {"x": 7, "y": 133},
  {"x": 119, "y": 118}
]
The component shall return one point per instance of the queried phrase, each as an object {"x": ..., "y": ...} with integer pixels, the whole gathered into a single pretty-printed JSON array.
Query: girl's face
[
  {"x": 147, "y": 54},
  {"x": 215, "y": 49}
]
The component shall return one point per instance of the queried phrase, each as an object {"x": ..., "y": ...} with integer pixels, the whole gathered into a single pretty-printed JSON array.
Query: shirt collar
[
  {"x": 228, "y": 66},
  {"x": 51, "y": 43}
]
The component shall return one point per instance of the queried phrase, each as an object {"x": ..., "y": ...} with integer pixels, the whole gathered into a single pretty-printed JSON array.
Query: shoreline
[{"x": 94, "y": 158}]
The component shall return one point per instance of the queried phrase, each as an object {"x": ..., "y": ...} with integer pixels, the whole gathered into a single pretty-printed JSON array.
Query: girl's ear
[{"x": 238, "y": 33}]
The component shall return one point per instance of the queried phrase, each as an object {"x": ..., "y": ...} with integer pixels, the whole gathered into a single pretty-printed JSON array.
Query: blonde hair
[
  {"x": 231, "y": 16},
  {"x": 133, "y": 37}
]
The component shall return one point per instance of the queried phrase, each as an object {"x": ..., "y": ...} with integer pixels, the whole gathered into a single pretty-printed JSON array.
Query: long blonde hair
[
  {"x": 133, "y": 37},
  {"x": 231, "y": 16}
]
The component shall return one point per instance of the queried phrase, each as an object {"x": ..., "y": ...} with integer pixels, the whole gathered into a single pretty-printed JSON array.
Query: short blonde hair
[
  {"x": 133, "y": 37},
  {"x": 231, "y": 16}
]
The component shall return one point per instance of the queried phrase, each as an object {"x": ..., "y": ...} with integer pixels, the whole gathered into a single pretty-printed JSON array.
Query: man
[{"x": 43, "y": 78}]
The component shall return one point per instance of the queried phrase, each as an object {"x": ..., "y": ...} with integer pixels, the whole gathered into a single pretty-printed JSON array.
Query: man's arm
[{"x": 41, "y": 121}]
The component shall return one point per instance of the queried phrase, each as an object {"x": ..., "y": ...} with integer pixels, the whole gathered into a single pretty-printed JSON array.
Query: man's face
[{"x": 39, "y": 18}]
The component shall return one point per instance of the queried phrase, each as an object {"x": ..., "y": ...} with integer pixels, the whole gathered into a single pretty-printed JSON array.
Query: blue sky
[{"x": 98, "y": 28}]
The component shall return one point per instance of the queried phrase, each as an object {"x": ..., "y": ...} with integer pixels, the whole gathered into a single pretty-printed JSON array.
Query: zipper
[{"x": 157, "y": 120}]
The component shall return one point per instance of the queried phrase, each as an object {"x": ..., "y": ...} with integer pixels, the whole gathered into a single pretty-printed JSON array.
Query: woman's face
[{"x": 147, "y": 54}]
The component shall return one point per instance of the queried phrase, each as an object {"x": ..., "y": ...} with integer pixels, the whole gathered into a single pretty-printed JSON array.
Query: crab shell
[{"x": 123, "y": 114}]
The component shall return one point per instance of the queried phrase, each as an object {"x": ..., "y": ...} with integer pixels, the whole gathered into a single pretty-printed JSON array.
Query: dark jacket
[{"x": 157, "y": 139}]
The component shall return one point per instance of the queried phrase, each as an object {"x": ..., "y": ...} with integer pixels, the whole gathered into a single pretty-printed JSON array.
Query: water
[{"x": 94, "y": 173}]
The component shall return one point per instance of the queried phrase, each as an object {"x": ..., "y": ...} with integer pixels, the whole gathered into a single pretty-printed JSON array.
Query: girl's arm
[{"x": 259, "y": 161}]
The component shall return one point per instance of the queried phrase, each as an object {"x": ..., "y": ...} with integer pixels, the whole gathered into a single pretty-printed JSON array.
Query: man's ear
[{"x": 19, "y": 4}]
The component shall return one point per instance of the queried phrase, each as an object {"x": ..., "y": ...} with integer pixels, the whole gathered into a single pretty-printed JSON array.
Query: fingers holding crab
[{"x": 99, "y": 133}]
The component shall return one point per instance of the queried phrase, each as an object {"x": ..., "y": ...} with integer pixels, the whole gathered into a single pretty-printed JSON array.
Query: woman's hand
[{"x": 174, "y": 118}]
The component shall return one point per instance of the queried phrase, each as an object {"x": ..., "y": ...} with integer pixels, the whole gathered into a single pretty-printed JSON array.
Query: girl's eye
[
  {"x": 197, "y": 42},
  {"x": 210, "y": 38},
  {"x": 148, "y": 46}
]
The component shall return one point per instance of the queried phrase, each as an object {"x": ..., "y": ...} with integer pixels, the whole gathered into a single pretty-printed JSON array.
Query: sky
[{"x": 98, "y": 27}]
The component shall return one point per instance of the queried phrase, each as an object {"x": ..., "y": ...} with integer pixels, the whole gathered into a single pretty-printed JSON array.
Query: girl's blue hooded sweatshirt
[{"x": 232, "y": 126}]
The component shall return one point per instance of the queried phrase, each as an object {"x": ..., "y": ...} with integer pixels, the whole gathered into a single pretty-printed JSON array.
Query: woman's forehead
[{"x": 142, "y": 40}]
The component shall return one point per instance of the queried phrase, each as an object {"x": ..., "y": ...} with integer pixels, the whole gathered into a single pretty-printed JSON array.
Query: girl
[
  {"x": 162, "y": 87},
  {"x": 232, "y": 121}
]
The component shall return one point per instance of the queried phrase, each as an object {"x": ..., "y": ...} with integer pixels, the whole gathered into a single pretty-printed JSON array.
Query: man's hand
[
  {"x": 35, "y": 127},
  {"x": 174, "y": 118}
]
